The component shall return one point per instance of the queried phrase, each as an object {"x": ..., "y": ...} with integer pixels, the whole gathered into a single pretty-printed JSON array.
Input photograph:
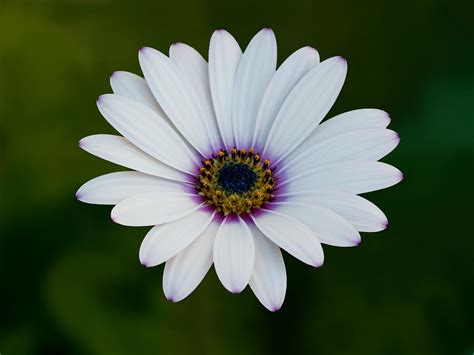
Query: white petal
[
  {"x": 134, "y": 87},
  {"x": 291, "y": 235},
  {"x": 363, "y": 214},
  {"x": 165, "y": 241},
  {"x": 185, "y": 271},
  {"x": 268, "y": 280},
  {"x": 120, "y": 151},
  {"x": 148, "y": 131},
  {"x": 284, "y": 80},
  {"x": 350, "y": 176},
  {"x": 112, "y": 188},
  {"x": 344, "y": 123},
  {"x": 194, "y": 70},
  {"x": 234, "y": 254},
  {"x": 224, "y": 57},
  {"x": 256, "y": 68},
  {"x": 351, "y": 121},
  {"x": 153, "y": 208},
  {"x": 330, "y": 228},
  {"x": 178, "y": 99},
  {"x": 364, "y": 144},
  {"x": 306, "y": 106}
]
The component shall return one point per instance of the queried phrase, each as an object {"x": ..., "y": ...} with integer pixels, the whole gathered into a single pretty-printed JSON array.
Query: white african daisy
[{"x": 232, "y": 163}]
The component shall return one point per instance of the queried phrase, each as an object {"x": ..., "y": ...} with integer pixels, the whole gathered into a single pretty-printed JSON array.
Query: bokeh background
[{"x": 70, "y": 279}]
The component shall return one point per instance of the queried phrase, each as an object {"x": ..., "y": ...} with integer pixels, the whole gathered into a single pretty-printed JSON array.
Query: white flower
[{"x": 233, "y": 163}]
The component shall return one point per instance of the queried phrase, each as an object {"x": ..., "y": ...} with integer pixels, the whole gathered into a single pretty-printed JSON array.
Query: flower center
[
  {"x": 236, "y": 178},
  {"x": 236, "y": 183}
]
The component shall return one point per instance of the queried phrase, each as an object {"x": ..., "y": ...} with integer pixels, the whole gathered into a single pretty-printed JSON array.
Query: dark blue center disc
[{"x": 236, "y": 178}]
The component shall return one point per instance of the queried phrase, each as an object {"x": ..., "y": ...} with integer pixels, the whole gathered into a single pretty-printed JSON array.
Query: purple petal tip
[
  {"x": 342, "y": 59},
  {"x": 318, "y": 264},
  {"x": 78, "y": 196},
  {"x": 144, "y": 263},
  {"x": 311, "y": 50},
  {"x": 275, "y": 309}
]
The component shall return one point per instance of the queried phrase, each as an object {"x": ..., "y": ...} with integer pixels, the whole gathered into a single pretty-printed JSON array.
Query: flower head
[{"x": 231, "y": 163}]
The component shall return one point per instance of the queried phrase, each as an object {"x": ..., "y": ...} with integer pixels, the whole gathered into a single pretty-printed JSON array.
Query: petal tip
[
  {"x": 101, "y": 100},
  {"x": 220, "y": 32},
  {"x": 387, "y": 117},
  {"x": 274, "y": 308},
  {"x": 342, "y": 59},
  {"x": 143, "y": 50},
  {"x": 236, "y": 291},
  {"x": 171, "y": 298},
  {"x": 317, "y": 263}
]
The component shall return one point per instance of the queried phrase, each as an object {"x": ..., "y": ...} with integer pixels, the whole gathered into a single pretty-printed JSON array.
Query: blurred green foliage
[{"x": 71, "y": 282}]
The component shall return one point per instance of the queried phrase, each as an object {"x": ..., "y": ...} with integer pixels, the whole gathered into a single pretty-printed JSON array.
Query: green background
[{"x": 70, "y": 279}]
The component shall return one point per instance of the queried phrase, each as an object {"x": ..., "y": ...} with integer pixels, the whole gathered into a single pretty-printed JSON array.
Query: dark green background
[{"x": 70, "y": 279}]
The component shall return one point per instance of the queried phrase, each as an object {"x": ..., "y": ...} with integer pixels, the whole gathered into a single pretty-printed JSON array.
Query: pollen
[{"x": 236, "y": 182}]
